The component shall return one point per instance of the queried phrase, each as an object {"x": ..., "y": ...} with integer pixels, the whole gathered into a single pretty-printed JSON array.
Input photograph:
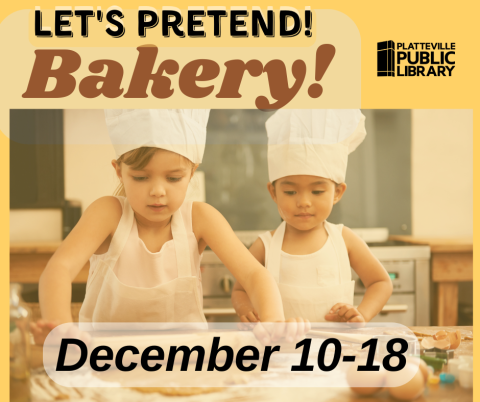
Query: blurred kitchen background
[{"x": 410, "y": 195}]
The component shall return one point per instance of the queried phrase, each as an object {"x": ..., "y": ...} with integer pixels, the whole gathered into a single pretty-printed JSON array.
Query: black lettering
[
  {"x": 410, "y": 59},
  {"x": 60, "y": 22},
  {"x": 63, "y": 351},
  {"x": 234, "y": 23},
  {"x": 119, "y": 358},
  {"x": 217, "y": 24},
  {"x": 303, "y": 366},
  {"x": 401, "y": 56},
  {"x": 212, "y": 363},
  {"x": 192, "y": 22},
  {"x": 241, "y": 357},
  {"x": 38, "y": 26},
  {"x": 84, "y": 16},
  {"x": 186, "y": 357},
  {"x": 268, "y": 28},
  {"x": 120, "y": 28},
  {"x": 447, "y": 58},
  {"x": 143, "y": 24},
  {"x": 297, "y": 23},
  {"x": 266, "y": 356},
  {"x": 146, "y": 358},
  {"x": 167, "y": 24},
  {"x": 94, "y": 357}
]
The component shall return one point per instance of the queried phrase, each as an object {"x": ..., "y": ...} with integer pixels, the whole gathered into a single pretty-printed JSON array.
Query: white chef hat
[
  {"x": 183, "y": 131},
  {"x": 313, "y": 142}
]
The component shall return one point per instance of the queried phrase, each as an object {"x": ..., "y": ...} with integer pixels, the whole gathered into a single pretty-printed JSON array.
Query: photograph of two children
[{"x": 281, "y": 227}]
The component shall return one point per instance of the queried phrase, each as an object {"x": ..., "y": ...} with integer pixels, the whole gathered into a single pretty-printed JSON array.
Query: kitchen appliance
[{"x": 407, "y": 265}]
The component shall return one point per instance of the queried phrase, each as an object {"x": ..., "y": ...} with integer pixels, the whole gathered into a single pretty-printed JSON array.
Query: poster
[{"x": 408, "y": 68}]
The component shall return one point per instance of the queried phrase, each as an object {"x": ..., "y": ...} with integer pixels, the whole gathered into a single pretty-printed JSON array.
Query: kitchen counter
[
  {"x": 49, "y": 391},
  {"x": 438, "y": 244},
  {"x": 451, "y": 263},
  {"x": 28, "y": 260}
]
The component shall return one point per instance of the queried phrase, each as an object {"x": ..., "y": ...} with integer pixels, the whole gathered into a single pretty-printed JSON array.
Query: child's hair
[
  {"x": 137, "y": 159},
  {"x": 336, "y": 184}
]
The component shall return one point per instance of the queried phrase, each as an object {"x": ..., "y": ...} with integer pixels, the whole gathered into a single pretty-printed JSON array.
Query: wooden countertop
[
  {"x": 28, "y": 260},
  {"x": 34, "y": 247},
  {"x": 438, "y": 244}
]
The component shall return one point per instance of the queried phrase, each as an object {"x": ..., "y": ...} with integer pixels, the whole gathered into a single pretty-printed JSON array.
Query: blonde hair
[{"x": 138, "y": 159}]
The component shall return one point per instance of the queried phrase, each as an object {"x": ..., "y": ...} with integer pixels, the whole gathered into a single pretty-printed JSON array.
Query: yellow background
[{"x": 406, "y": 21}]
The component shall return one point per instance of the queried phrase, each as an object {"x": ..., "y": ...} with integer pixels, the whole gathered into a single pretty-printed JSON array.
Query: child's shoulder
[
  {"x": 205, "y": 216},
  {"x": 202, "y": 209},
  {"x": 106, "y": 208},
  {"x": 108, "y": 201},
  {"x": 350, "y": 237}
]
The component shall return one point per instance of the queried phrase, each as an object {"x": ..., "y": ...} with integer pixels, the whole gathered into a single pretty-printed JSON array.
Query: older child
[
  {"x": 309, "y": 257},
  {"x": 145, "y": 245}
]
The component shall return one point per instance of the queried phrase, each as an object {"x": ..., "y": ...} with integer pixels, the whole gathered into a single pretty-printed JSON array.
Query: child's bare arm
[
  {"x": 55, "y": 287},
  {"x": 240, "y": 300},
  {"x": 211, "y": 226},
  {"x": 371, "y": 272}
]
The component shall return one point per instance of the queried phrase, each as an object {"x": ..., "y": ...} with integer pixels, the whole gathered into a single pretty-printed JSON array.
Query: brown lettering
[
  {"x": 110, "y": 87},
  {"x": 234, "y": 75},
  {"x": 278, "y": 83},
  {"x": 143, "y": 74},
  {"x": 189, "y": 77},
  {"x": 42, "y": 71}
]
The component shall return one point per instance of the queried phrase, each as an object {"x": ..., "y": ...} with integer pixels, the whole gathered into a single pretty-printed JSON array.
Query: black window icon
[{"x": 386, "y": 59}]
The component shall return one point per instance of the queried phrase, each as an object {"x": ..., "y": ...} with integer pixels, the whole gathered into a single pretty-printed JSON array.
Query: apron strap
[
  {"x": 341, "y": 251},
  {"x": 273, "y": 261},
  {"x": 122, "y": 233},
  {"x": 180, "y": 240}
]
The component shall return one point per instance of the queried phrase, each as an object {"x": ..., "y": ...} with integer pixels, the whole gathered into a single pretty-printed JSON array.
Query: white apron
[
  {"x": 312, "y": 302},
  {"x": 108, "y": 300}
]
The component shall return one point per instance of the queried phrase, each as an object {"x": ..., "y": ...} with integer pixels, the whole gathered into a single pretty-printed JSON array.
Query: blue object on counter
[{"x": 447, "y": 378}]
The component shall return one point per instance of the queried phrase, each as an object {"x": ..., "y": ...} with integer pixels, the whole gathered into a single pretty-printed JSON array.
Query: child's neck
[
  {"x": 302, "y": 242},
  {"x": 154, "y": 234},
  {"x": 146, "y": 224}
]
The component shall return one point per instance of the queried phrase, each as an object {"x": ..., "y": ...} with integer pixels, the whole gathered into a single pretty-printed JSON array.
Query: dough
[{"x": 178, "y": 391}]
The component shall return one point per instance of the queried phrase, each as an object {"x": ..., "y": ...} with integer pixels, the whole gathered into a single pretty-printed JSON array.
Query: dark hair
[{"x": 336, "y": 184}]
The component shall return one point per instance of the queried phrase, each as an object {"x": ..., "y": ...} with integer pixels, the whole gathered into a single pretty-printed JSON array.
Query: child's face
[
  {"x": 158, "y": 190},
  {"x": 304, "y": 201}
]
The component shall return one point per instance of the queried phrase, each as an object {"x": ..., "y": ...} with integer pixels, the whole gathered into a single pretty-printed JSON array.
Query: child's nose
[
  {"x": 157, "y": 190},
  {"x": 304, "y": 200}
]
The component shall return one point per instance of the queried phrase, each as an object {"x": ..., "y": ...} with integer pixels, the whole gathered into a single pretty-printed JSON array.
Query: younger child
[
  {"x": 309, "y": 257},
  {"x": 145, "y": 246}
]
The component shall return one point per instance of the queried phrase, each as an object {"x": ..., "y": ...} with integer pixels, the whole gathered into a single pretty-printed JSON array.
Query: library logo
[
  {"x": 386, "y": 59},
  {"x": 415, "y": 59}
]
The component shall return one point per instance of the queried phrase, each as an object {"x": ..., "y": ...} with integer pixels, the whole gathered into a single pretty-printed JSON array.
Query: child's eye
[
  {"x": 174, "y": 179},
  {"x": 317, "y": 192},
  {"x": 290, "y": 192},
  {"x": 139, "y": 178}
]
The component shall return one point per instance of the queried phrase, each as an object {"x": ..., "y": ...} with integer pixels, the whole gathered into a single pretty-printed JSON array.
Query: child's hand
[
  {"x": 342, "y": 312},
  {"x": 292, "y": 330},
  {"x": 41, "y": 329},
  {"x": 249, "y": 316}
]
